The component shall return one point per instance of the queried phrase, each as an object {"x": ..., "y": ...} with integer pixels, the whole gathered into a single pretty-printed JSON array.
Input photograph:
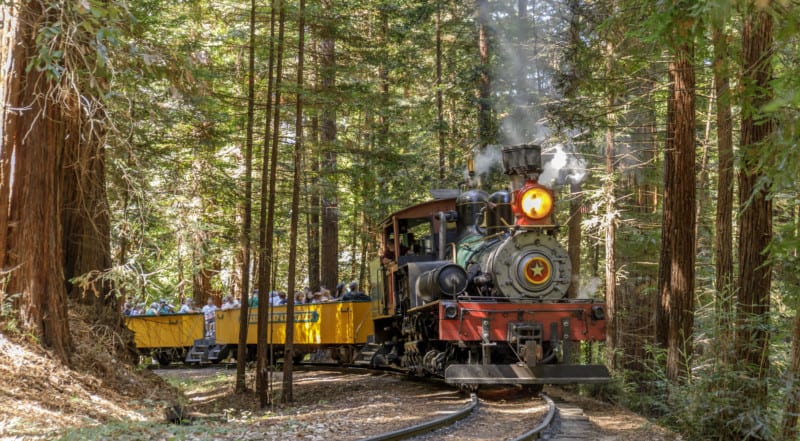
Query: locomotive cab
[{"x": 414, "y": 240}]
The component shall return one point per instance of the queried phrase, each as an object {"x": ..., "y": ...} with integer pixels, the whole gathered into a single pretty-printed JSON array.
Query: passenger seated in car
[
  {"x": 230, "y": 303},
  {"x": 281, "y": 298},
  {"x": 187, "y": 307},
  {"x": 165, "y": 308},
  {"x": 253, "y": 301},
  {"x": 153, "y": 310},
  {"x": 355, "y": 294},
  {"x": 340, "y": 290}
]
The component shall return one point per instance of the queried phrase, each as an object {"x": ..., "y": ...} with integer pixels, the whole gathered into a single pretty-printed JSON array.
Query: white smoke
[
  {"x": 564, "y": 166},
  {"x": 589, "y": 289},
  {"x": 553, "y": 167},
  {"x": 487, "y": 159}
]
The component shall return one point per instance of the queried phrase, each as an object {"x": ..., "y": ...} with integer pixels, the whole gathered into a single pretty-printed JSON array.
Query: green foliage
[{"x": 8, "y": 316}]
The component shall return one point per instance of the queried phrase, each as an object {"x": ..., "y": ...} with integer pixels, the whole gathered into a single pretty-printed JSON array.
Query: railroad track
[
  {"x": 556, "y": 422},
  {"x": 458, "y": 424}
]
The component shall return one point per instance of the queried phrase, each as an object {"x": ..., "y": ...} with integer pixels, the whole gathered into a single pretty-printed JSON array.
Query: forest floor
[{"x": 101, "y": 398}]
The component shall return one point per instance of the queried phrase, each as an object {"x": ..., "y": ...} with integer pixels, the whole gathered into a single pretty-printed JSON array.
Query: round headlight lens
[{"x": 536, "y": 202}]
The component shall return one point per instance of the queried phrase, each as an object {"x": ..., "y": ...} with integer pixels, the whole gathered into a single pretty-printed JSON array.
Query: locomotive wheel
[
  {"x": 534, "y": 389},
  {"x": 468, "y": 388}
]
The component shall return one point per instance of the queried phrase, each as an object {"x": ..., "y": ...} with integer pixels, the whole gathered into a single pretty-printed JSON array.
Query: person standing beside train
[{"x": 208, "y": 315}]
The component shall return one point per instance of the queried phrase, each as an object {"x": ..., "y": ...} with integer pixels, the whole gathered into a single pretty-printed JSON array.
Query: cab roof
[{"x": 421, "y": 210}]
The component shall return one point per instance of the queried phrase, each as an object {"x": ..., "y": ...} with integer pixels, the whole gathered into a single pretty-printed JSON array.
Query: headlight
[
  {"x": 535, "y": 201},
  {"x": 450, "y": 311}
]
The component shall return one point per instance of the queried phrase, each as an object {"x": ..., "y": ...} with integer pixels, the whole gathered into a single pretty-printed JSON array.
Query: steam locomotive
[
  {"x": 473, "y": 288},
  {"x": 470, "y": 287}
]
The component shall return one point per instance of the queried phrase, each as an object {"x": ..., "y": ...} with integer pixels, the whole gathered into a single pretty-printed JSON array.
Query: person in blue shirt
[
  {"x": 253, "y": 300},
  {"x": 165, "y": 308}
]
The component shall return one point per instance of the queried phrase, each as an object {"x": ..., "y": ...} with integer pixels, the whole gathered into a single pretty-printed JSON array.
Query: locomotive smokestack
[{"x": 522, "y": 163}]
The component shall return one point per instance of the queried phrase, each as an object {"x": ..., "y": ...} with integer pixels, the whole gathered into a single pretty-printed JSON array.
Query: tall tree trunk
[
  {"x": 486, "y": 130},
  {"x": 13, "y": 66},
  {"x": 313, "y": 232},
  {"x": 201, "y": 271},
  {"x": 86, "y": 223},
  {"x": 268, "y": 253},
  {"x": 383, "y": 79},
  {"x": 612, "y": 337},
  {"x": 288, "y": 352},
  {"x": 724, "y": 219},
  {"x": 612, "y": 323},
  {"x": 247, "y": 203},
  {"x": 440, "y": 127},
  {"x": 755, "y": 230},
  {"x": 574, "y": 238},
  {"x": 330, "y": 204},
  {"x": 34, "y": 135},
  {"x": 667, "y": 224},
  {"x": 682, "y": 206},
  {"x": 576, "y": 197}
]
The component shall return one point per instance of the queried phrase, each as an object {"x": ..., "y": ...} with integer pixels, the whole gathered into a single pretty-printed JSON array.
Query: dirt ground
[{"x": 102, "y": 398}]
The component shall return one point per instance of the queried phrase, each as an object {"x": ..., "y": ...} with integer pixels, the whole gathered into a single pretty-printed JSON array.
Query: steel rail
[
  {"x": 538, "y": 431},
  {"x": 428, "y": 426}
]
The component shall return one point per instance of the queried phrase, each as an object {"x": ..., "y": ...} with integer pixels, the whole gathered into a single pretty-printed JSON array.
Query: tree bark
[
  {"x": 612, "y": 337},
  {"x": 440, "y": 127},
  {"x": 755, "y": 232},
  {"x": 268, "y": 253},
  {"x": 574, "y": 238},
  {"x": 288, "y": 352},
  {"x": 313, "y": 233},
  {"x": 486, "y": 130},
  {"x": 330, "y": 204},
  {"x": 247, "y": 202},
  {"x": 664, "y": 303},
  {"x": 34, "y": 133},
  {"x": 86, "y": 224},
  {"x": 723, "y": 250},
  {"x": 682, "y": 210}
]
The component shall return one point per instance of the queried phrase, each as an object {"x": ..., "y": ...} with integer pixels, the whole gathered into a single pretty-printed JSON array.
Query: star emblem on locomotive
[{"x": 537, "y": 270}]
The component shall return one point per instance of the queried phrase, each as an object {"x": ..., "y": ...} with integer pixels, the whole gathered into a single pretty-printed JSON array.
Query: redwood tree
[
  {"x": 680, "y": 203},
  {"x": 36, "y": 115},
  {"x": 247, "y": 204},
  {"x": 288, "y": 396},
  {"x": 330, "y": 204},
  {"x": 724, "y": 218},
  {"x": 486, "y": 124},
  {"x": 264, "y": 243},
  {"x": 755, "y": 232}
]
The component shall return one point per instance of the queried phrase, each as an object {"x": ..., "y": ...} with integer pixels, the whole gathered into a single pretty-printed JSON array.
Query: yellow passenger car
[
  {"x": 316, "y": 326},
  {"x": 167, "y": 337}
]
